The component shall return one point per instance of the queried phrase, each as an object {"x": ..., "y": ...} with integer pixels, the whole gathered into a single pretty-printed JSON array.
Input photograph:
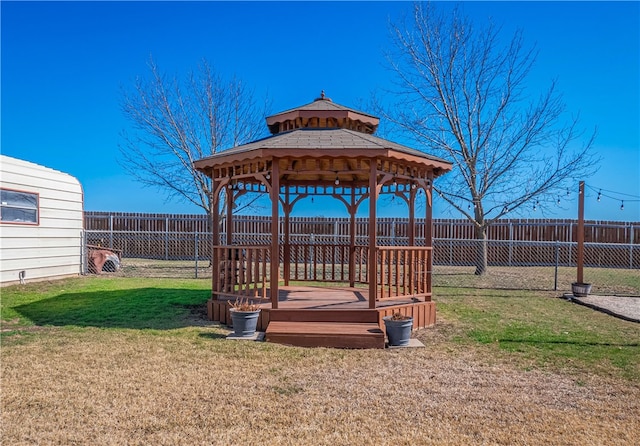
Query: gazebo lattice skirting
[{"x": 322, "y": 149}]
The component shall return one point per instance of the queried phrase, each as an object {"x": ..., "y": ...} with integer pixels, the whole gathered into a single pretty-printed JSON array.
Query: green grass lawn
[
  {"x": 533, "y": 329},
  {"x": 542, "y": 331},
  {"x": 105, "y": 302}
]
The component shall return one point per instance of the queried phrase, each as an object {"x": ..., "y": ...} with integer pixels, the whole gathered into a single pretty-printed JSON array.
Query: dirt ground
[{"x": 624, "y": 307}]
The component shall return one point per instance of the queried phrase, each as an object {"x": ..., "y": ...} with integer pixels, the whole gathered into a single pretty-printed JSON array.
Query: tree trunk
[{"x": 481, "y": 257}]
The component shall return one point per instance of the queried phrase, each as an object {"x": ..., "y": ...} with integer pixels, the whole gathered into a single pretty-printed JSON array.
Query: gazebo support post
[
  {"x": 275, "y": 236},
  {"x": 229, "y": 217},
  {"x": 428, "y": 233},
  {"x": 287, "y": 245},
  {"x": 215, "y": 241},
  {"x": 372, "y": 267},
  {"x": 411, "y": 231},
  {"x": 352, "y": 239}
]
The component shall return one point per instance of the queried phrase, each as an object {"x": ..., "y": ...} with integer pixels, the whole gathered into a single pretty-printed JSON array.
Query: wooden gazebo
[{"x": 322, "y": 149}]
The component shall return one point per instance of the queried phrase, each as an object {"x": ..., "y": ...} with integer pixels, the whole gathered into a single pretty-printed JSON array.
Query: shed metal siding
[{"x": 53, "y": 247}]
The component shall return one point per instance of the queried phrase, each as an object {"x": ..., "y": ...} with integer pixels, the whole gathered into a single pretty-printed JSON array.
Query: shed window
[{"x": 18, "y": 207}]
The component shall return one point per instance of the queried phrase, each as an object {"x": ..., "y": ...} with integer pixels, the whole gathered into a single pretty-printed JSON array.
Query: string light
[
  {"x": 413, "y": 185},
  {"x": 268, "y": 176},
  {"x": 395, "y": 182},
  {"x": 535, "y": 206},
  {"x": 558, "y": 201},
  {"x": 505, "y": 210},
  {"x": 603, "y": 193},
  {"x": 337, "y": 181}
]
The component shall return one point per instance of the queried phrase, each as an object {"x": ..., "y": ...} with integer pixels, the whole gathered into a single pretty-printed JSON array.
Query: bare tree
[
  {"x": 460, "y": 92},
  {"x": 175, "y": 123}
]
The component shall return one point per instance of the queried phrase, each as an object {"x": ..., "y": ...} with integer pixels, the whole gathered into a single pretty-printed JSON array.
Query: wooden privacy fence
[
  {"x": 319, "y": 247},
  {"x": 387, "y": 229}
]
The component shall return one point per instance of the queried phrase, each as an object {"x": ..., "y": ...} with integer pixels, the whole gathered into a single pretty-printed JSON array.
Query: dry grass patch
[
  {"x": 133, "y": 362},
  {"x": 191, "y": 386}
]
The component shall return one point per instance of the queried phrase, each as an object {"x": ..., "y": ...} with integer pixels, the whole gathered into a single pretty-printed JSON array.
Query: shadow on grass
[
  {"x": 213, "y": 335},
  {"x": 565, "y": 342},
  {"x": 140, "y": 308},
  {"x": 492, "y": 287}
]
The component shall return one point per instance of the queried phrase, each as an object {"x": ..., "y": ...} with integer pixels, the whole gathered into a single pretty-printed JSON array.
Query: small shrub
[
  {"x": 245, "y": 305},
  {"x": 397, "y": 316}
]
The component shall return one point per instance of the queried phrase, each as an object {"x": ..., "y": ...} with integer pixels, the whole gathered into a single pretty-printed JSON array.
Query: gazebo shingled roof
[
  {"x": 329, "y": 139},
  {"x": 323, "y": 129}
]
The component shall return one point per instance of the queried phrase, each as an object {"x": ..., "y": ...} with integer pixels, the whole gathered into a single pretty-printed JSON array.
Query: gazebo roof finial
[{"x": 323, "y": 97}]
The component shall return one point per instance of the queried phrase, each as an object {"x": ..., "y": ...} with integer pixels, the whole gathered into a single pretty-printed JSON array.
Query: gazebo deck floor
[
  {"x": 329, "y": 316},
  {"x": 329, "y": 298}
]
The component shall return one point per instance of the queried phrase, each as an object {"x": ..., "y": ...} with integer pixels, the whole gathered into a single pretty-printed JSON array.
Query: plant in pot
[
  {"x": 398, "y": 327},
  {"x": 244, "y": 316}
]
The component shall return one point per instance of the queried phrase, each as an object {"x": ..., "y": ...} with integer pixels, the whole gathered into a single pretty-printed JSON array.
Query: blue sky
[{"x": 64, "y": 63}]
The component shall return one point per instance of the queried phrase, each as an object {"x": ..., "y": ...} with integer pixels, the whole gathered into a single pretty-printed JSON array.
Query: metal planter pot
[
  {"x": 580, "y": 289},
  {"x": 398, "y": 331}
]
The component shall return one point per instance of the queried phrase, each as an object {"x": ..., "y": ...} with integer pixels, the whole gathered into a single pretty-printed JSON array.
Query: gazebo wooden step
[
  {"x": 315, "y": 315},
  {"x": 326, "y": 334}
]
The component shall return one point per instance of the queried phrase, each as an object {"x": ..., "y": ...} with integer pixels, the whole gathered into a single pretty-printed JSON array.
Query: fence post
[
  {"x": 510, "y": 243},
  {"x": 166, "y": 238},
  {"x": 555, "y": 280},
  {"x": 631, "y": 229},
  {"x": 312, "y": 253},
  {"x": 110, "y": 231},
  {"x": 571, "y": 231},
  {"x": 83, "y": 253},
  {"x": 393, "y": 232},
  {"x": 451, "y": 244},
  {"x": 196, "y": 253}
]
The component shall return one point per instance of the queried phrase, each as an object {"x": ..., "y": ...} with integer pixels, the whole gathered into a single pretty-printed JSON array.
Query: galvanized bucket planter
[
  {"x": 398, "y": 330},
  {"x": 580, "y": 289}
]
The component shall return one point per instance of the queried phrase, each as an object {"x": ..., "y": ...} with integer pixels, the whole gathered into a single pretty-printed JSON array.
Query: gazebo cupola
[{"x": 322, "y": 113}]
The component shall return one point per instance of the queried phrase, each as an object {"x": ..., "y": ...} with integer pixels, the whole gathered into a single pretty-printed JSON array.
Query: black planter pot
[{"x": 244, "y": 322}]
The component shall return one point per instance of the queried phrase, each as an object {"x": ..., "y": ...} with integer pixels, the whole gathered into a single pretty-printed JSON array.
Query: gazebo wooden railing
[
  {"x": 243, "y": 271},
  {"x": 402, "y": 271},
  {"x": 325, "y": 263}
]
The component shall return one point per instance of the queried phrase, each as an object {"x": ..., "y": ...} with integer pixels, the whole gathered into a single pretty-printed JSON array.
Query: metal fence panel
[{"x": 511, "y": 264}]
